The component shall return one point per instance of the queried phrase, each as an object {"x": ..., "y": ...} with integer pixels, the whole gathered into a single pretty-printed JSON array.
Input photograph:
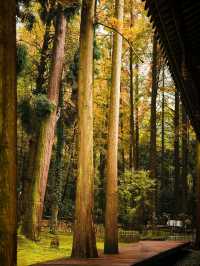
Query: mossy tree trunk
[
  {"x": 57, "y": 183},
  {"x": 111, "y": 213},
  {"x": 33, "y": 215},
  {"x": 40, "y": 83},
  {"x": 8, "y": 136},
  {"x": 84, "y": 242}
]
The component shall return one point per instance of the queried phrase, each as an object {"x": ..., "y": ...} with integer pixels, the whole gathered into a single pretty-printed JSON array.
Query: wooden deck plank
[{"x": 129, "y": 254}]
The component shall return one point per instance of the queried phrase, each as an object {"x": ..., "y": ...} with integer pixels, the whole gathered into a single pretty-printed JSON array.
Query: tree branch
[{"x": 126, "y": 39}]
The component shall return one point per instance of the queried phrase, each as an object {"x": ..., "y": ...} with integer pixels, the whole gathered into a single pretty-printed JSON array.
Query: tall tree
[
  {"x": 84, "y": 242},
  {"x": 197, "y": 239},
  {"x": 185, "y": 132},
  {"x": 132, "y": 122},
  {"x": 177, "y": 185},
  {"x": 162, "y": 175},
  {"x": 33, "y": 215},
  {"x": 137, "y": 133},
  {"x": 57, "y": 181},
  {"x": 111, "y": 213},
  {"x": 46, "y": 8},
  {"x": 153, "y": 152},
  {"x": 8, "y": 136}
]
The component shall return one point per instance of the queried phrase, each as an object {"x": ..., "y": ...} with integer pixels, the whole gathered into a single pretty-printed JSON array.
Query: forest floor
[{"x": 30, "y": 252}]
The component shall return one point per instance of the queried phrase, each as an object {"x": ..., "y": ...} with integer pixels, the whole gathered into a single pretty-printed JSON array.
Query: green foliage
[
  {"x": 25, "y": 111},
  {"x": 22, "y": 53},
  {"x": 135, "y": 194},
  {"x": 97, "y": 51},
  {"x": 155, "y": 235},
  {"x": 33, "y": 110},
  {"x": 42, "y": 106}
]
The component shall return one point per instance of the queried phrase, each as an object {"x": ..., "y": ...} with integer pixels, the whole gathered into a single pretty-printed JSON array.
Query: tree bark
[
  {"x": 184, "y": 159},
  {"x": 162, "y": 174},
  {"x": 40, "y": 82},
  {"x": 197, "y": 239},
  {"x": 57, "y": 183},
  {"x": 8, "y": 133},
  {"x": 33, "y": 215},
  {"x": 84, "y": 242},
  {"x": 132, "y": 122},
  {"x": 153, "y": 152},
  {"x": 137, "y": 136},
  {"x": 43, "y": 58},
  {"x": 111, "y": 213},
  {"x": 177, "y": 187}
]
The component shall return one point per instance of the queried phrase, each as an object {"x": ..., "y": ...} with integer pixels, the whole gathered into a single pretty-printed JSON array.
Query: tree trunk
[
  {"x": 31, "y": 226},
  {"x": 153, "y": 152},
  {"x": 184, "y": 159},
  {"x": 162, "y": 174},
  {"x": 111, "y": 213},
  {"x": 43, "y": 58},
  {"x": 197, "y": 239},
  {"x": 132, "y": 122},
  {"x": 26, "y": 192},
  {"x": 40, "y": 81},
  {"x": 8, "y": 133},
  {"x": 177, "y": 187},
  {"x": 57, "y": 183},
  {"x": 137, "y": 118},
  {"x": 84, "y": 242}
]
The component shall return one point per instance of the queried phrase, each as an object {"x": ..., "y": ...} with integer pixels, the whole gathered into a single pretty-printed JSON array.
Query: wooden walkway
[{"x": 131, "y": 254}]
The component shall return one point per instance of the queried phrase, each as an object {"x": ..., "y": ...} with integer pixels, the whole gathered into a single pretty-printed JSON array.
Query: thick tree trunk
[
  {"x": 26, "y": 192},
  {"x": 31, "y": 226},
  {"x": 153, "y": 152},
  {"x": 137, "y": 136},
  {"x": 84, "y": 242},
  {"x": 40, "y": 82},
  {"x": 177, "y": 186},
  {"x": 111, "y": 213},
  {"x": 8, "y": 136},
  {"x": 197, "y": 240},
  {"x": 184, "y": 159}
]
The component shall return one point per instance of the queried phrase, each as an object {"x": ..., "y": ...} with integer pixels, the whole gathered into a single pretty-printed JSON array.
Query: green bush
[{"x": 135, "y": 198}]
